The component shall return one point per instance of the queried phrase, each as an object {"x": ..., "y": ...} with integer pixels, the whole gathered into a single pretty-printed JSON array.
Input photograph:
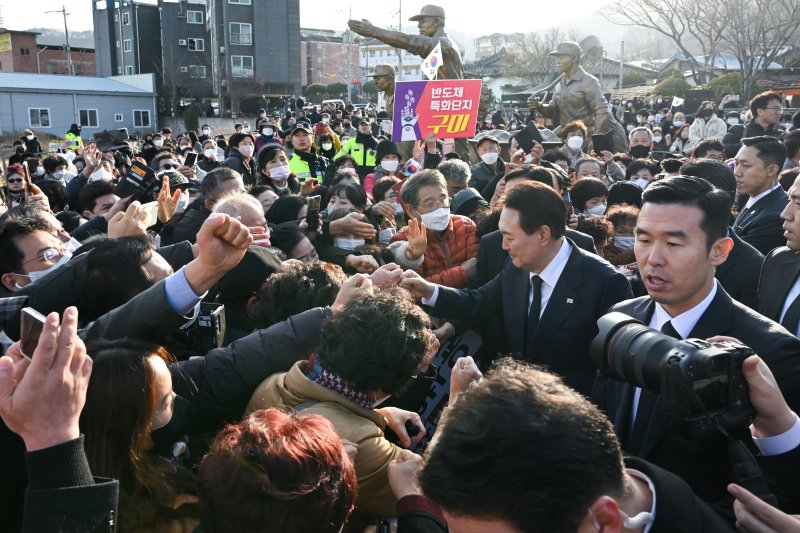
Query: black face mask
[
  {"x": 640, "y": 152},
  {"x": 707, "y": 113},
  {"x": 20, "y": 149}
]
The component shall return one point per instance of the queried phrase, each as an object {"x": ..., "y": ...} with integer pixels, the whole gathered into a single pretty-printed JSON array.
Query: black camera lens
[{"x": 629, "y": 351}]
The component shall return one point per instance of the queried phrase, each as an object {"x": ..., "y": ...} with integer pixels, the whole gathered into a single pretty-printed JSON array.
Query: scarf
[
  {"x": 334, "y": 382},
  {"x": 313, "y": 161},
  {"x": 367, "y": 140}
]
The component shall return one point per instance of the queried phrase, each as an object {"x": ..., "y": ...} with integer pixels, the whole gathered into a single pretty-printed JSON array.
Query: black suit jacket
[
  {"x": 761, "y": 225},
  {"x": 701, "y": 462},
  {"x": 492, "y": 257},
  {"x": 739, "y": 273},
  {"x": 778, "y": 274},
  {"x": 587, "y": 288}
]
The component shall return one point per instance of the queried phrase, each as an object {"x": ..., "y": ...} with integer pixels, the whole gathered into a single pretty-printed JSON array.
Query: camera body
[{"x": 701, "y": 384}]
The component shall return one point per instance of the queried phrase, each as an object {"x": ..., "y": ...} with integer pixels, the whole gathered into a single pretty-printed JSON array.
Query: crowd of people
[{"x": 239, "y": 340}]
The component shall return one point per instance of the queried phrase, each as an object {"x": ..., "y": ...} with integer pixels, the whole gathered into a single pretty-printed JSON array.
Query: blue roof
[
  {"x": 55, "y": 82},
  {"x": 724, "y": 61}
]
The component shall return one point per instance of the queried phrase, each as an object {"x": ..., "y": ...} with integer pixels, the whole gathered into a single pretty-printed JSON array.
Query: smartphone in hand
[
  {"x": 312, "y": 215},
  {"x": 30, "y": 329}
]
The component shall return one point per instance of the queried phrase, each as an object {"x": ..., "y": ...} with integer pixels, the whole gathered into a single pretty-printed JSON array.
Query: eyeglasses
[
  {"x": 432, "y": 205},
  {"x": 15, "y": 180},
  {"x": 50, "y": 255},
  {"x": 778, "y": 109}
]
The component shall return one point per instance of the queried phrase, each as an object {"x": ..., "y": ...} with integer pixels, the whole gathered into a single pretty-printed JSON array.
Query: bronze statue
[
  {"x": 384, "y": 82},
  {"x": 578, "y": 95},
  {"x": 430, "y": 22}
]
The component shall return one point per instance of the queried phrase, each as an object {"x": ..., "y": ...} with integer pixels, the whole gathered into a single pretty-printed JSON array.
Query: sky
[{"x": 16, "y": 14}]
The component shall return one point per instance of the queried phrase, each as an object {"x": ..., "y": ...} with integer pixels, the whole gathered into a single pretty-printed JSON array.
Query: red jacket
[{"x": 446, "y": 251}]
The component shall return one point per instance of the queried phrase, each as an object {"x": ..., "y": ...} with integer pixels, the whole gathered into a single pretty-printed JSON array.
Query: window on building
[
  {"x": 241, "y": 2},
  {"x": 126, "y": 18},
  {"x": 242, "y": 66},
  {"x": 116, "y": 17},
  {"x": 39, "y": 118},
  {"x": 117, "y": 44},
  {"x": 127, "y": 45},
  {"x": 241, "y": 33},
  {"x": 118, "y": 117},
  {"x": 194, "y": 17},
  {"x": 24, "y": 51},
  {"x": 129, "y": 70},
  {"x": 141, "y": 118},
  {"x": 88, "y": 117},
  {"x": 197, "y": 45},
  {"x": 197, "y": 71},
  {"x": 119, "y": 70}
]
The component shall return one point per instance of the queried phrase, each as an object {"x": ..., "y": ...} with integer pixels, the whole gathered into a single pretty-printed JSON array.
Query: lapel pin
[{"x": 569, "y": 300}]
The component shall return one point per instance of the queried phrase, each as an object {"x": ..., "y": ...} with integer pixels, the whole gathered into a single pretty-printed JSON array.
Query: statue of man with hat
[
  {"x": 384, "y": 82},
  {"x": 578, "y": 95},
  {"x": 430, "y": 22}
]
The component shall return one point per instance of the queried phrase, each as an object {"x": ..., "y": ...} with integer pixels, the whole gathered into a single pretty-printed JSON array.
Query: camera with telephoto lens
[{"x": 701, "y": 384}]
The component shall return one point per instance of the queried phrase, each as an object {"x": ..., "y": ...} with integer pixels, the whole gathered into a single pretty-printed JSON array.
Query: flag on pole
[
  {"x": 432, "y": 63},
  {"x": 677, "y": 102}
]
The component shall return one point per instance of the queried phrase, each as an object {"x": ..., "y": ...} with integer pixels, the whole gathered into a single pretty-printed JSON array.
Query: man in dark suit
[
  {"x": 758, "y": 164},
  {"x": 779, "y": 284},
  {"x": 738, "y": 275},
  {"x": 681, "y": 237},
  {"x": 491, "y": 255},
  {"x": 550, "y": 294}
]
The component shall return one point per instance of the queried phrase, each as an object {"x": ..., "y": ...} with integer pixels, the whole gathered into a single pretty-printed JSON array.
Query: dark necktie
[
  {"x": 792, "y": 317},
  {"x": 535, "y": 309},
  {"x": 647, "y": 402}
]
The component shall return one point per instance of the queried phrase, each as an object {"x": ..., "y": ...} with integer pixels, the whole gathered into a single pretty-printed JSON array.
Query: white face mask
[
  {"x": 677, "y": 123},
  {"x": 398, "y": 209},
  {"x": 206, "y": 131},
  {"x": 624, "y": 242},
  {"x": 575, "y": 143},
  {"x": 598, "y": 210},
  {"x": 158, "y": 143},
  {"x": 490, "y": 158},
  {"x": 42, "y": 273},
  {"x": 657, "y": 138},
  {"x": 210, "y": 153},
  {"x": 642, "y": 182},
  {"x": 437, "y": 220},
  {"x": 651, "y": 118},
  {"x": 29, "y": 137},
  {"x": 72, "y": 245},
  {"x": 266, "y": 132},
  {"x": 59, "y": 174},
  {"x": 386, "y": 235},
  {"x": 245, "y": 130},
  {"x": 327, "y": 146},
  {"x": 101, "y": 174},
  {"x": 390, "y": 165},
  {"x": 183, "y": 202},
  {"x": 347, "y": 244},
  {"x": 40, "y": 171},
  {"x": 732, "y": 121},
  {"x": 280, "y": 173},
  {"x": 245, "y": 149}
]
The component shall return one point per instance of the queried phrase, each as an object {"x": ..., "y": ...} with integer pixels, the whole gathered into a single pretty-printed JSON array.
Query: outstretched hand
[{"x": 417, "y": 239}]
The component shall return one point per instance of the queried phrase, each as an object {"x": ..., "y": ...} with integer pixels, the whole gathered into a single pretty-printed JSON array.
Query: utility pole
[
  {"x": 621, "y": 61},
  {"x": 399, "y": 51},
  {"x": 64, "y": 13}
]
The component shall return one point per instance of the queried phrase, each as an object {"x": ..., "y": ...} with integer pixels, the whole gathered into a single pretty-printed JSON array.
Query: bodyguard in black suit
[
  {"x": 758, "y": 164},
  {"x": 779, "y": 283},
  {"x": 549, "y": 295},
  {"x": 681, "y": 238}
]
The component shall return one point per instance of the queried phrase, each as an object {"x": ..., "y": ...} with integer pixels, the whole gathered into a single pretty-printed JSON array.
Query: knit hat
[{"x": 385, "y": 148}]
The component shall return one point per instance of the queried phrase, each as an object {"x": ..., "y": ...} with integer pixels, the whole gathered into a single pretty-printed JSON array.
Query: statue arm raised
[{"x": 392, "y": 38}]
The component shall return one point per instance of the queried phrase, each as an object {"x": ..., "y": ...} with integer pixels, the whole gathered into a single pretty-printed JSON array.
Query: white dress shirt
[
  {"x": 550, "y": 275},
  {"x": 752, "y": 201}
]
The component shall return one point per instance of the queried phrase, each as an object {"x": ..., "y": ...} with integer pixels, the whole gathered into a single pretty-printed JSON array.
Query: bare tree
[
  {"x": 682, "y": 21},
  {"x": 757, "y": 31},
  {"x": 533, "y": 61}
]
